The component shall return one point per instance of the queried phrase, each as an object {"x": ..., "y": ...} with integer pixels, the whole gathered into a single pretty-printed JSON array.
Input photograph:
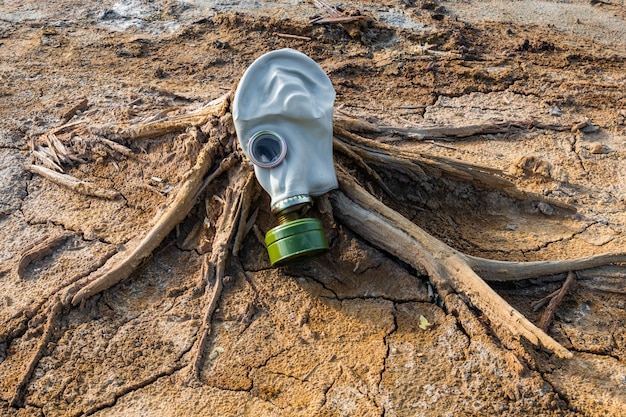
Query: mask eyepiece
[{"x": 267, "y": 149}]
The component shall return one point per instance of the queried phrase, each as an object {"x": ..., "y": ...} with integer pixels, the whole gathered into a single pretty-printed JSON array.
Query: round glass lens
[{"x": 267, "y": 149}]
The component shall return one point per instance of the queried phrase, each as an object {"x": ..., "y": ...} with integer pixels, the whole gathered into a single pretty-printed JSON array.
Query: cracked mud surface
[{"x": 340, "y": 335}]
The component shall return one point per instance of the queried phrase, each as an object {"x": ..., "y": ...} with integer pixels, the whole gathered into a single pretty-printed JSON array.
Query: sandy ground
[{"x": 340, "y": 335}]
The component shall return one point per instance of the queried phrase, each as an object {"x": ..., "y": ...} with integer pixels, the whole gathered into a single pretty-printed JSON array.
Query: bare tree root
[
  {"x": 174, "y": 213},
  {"x": 417, "y": 165},
  {"x": 446, "y": 132},
  {"x": 447, "y": 268},
  {"x": 214, "y": 264},
  {"x": 53, "y": 314},
  {"x": 73, "y": 183},
  {"x": 420, "y": 163},
  {"x": 39, "y": 250},
  {"x": 451, "y": 271},
  {"x": 248, "y": 195},
  {"x": 160, "y": 127},
  {"x": 354, "y": 156},
  {"x": 492, "y": 270},
  {"x": 548, "y": 313}
]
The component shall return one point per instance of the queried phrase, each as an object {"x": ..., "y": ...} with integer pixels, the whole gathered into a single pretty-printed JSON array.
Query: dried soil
[{"x": 340, "y": 335}]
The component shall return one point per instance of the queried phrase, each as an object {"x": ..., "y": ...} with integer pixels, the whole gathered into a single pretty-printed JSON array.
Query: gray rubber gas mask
[{"x": 283, "y": 114}]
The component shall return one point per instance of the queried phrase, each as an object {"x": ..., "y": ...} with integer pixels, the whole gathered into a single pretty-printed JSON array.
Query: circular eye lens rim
[{"x": 260, "y": 135}]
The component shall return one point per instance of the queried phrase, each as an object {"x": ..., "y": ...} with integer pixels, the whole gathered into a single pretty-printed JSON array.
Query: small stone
[
  {"x": 545, "y": 208},
  {"x": 555, "y": 111},
  {"x": 597, "y": 148}
]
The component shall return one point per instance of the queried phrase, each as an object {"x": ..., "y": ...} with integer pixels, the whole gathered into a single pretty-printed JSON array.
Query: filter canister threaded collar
[{"x": 291, "y": 201}]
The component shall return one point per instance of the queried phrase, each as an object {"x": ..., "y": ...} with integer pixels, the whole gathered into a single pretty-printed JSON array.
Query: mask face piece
[{"x": 283, "y": 114}]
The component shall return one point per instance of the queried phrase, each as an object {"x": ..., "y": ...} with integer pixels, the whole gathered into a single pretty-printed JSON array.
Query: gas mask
[{"x": 283, "y": 114}]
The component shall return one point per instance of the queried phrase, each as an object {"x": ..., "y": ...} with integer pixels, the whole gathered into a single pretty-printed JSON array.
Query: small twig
[
  {"x": 61, "y": 128},
  {"x": 45, "y": 158},
  {"x": 52, "y": 151},
  {"x": 59, "y": 148},
  {"x": 39, "y": 250},
  {"x": 290, "y": 36},
  {"x": 171, "y": 94},
  {"x": 118, "y": 148},
  {"x": 443, "y": 145},
  {"x": 545, "y": 300},
  {"x": 548, "y": 313},
  {"x": 73, "y": 183},
  {"x": 340, "y": 19}
]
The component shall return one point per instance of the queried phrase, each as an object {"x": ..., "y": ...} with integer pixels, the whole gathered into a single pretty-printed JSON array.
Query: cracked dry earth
[{"x": 339, "y": 335}]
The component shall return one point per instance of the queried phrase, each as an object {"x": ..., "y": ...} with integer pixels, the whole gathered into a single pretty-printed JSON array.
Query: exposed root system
[{"x": 450, "y": 271}]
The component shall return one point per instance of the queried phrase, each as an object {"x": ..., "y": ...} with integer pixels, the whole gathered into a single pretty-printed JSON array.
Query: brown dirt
[{"x": 340, "y": 335}]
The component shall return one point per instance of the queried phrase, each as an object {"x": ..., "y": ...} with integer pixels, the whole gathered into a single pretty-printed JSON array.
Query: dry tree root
[
  {"x": 214, "y": 263},
  {"x": 174, "y": 213},
  {"x": 73, "y": 183},
  {"x": 162, "y": 126},
  {"x": 53, "y": 314},
  {"x": 115, "y": 269},
  {"x": 447, "y": 132},
  {"x": 38, "y": 250},
  {"x": 447, "y": 268},
  {"x": 419, "y": 165},
  {"x": 548, "y": 313}
]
